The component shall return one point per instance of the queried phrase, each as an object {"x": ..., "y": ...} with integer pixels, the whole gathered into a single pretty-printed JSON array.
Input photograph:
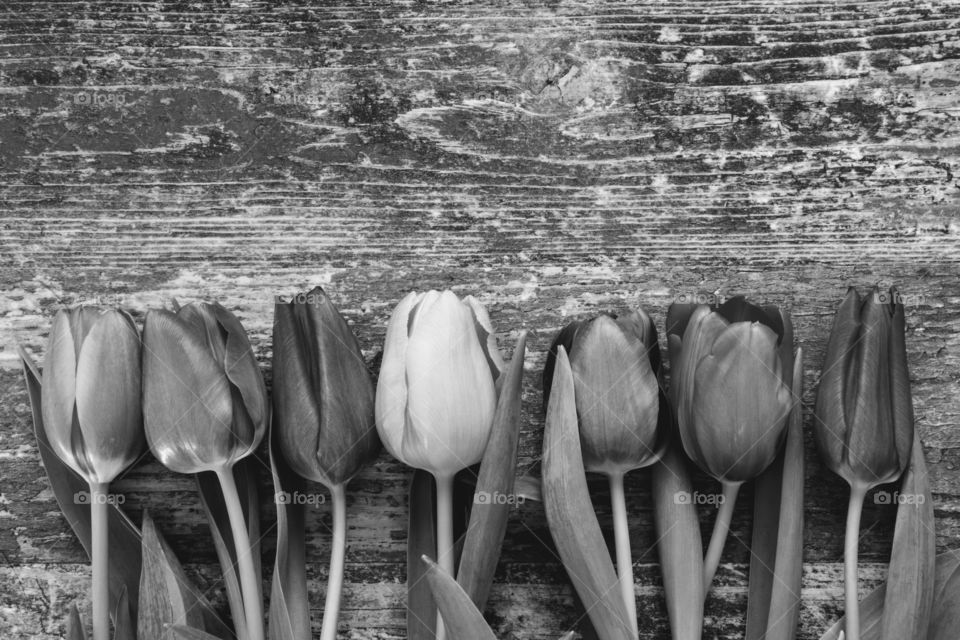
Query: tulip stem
[
  {"x": 100, "y": 558},
  {"x": 850, "y": 549},
  {"x": 721, "y": 527},
  {"x": 331, "y": 609},
  {"x": 444, "y": 535},
  {"x": 249, "y": 587},
  {"x": 621, "y": 535}
]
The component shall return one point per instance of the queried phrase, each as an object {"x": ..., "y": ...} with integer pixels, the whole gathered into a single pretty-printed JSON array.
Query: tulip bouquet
[{"x": 189, "y": 391}]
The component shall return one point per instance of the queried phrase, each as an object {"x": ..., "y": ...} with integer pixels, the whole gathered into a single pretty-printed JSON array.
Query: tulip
[
  {"x": 92, "y": 417},
  {"x": 205, "y": 408},
  {"x": 437, "y": 394},
  {"x": 730, "y": 396},
  {"x": 616, "y": 365},
  {"x": 323, "y": 412},
  {"x": 864, "y": 425}
]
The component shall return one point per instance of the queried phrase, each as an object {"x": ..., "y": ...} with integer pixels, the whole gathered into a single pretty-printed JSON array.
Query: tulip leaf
[
  {"x": 910, "y": 577},
  {"x": 488, "y": 518},
  {"x": 182, "y": 632},
  {"x": 214, "y": 505},
  {"x": 461, "y": 618},
  {"x": 776, "y": 547},
  {"x": 289, "y": 601},
  {"x": 945, "y": 614},
  {"x": 421, "y": 541},
  {"x": 871, "y": 611},
  {"x": 678, "y": 544},
  {"x": 570, "y": 514},
  {"x": 166, "y": 595},
  {"x": 124, "y": 538},
  {"x": 75, "y": 630},
  {"x": 123, "y": 628}
]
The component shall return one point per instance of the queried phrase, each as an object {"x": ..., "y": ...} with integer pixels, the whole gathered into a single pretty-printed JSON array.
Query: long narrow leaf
[
  {"x": 166, "y": 596},
  {"x": 461, "y": 618},
  {"x": 488, "y": 518},
  {"x": 421, "y": 541},
  {"x": 289, "y": 599},
  {"x": 910, "y": 578},
  {"x": 570, "y": 515},
  {"x": 871, "y": 611},
  {"x": 945, "y": 616},
  {"x": 123, "y": 628},
  {"x": 66, "y": 484},
  {"x": 784, "y": 613},
  {"x": 75, "y": 630},
  {"x": 678, "y": 544},
  {"x": 768, "y": 511}
]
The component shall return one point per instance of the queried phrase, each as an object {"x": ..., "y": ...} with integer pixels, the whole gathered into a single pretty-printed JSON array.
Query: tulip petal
[
  {"x": 108, "y": 395},
  {"x": 486, "y": 335},
  {"x": 901, "y": 402},
  {"x": 187, "y": 405},
  {"x": 616, "y": 396},
  {"x": 60, "y": 382},
  {"x": 241, "y": 368},
  {"x": 391, "y": 397},
  {"x": 450, "y": 394},
  {"x": 741, "y": 404},
  {"x": 871, "y": 448},
  {"x": 565, "y": 338},
  {"x": 737, "y": 309}
]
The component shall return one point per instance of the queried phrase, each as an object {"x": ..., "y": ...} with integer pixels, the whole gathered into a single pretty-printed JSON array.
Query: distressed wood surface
[{"x": 555, "y": 159}]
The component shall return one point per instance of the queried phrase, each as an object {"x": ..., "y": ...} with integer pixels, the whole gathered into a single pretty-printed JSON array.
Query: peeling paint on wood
[{"x": 554, "y": 158}]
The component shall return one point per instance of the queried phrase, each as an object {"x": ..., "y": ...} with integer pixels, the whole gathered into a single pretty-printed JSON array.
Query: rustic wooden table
[{"x": 555, "y": 159}]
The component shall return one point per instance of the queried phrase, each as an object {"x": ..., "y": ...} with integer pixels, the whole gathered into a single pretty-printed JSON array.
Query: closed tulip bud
[
  {"x": 616, "y": 364},
  {"x": 323, "y": 409},
  {"x": 437, "y": 390},
  {"x": 615, "y": 361},
  {"x": 864, "y": 412},
  {"x": 92, "y": 417},
  {"x": 864, "y": 426},
  {"x": 204, "y": 401},
  {"x": 91, "y": 392},
  {"x": 731, "y": 396},
  {"x": 728, "y": 381},
  {"x": 437, "y": 395}
]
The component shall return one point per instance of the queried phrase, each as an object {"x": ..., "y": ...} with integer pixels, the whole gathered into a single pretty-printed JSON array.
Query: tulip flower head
[
  {"x": 437, "y": 394},
  {"x": 864, "y": 425},
  {"x": 323, "y": 408},
  {"x": 91, "y": 392},
  {"x": 204, "y": 401},
  {"x": 729, "y": 389},
  {"x": 616, "y": 365}
]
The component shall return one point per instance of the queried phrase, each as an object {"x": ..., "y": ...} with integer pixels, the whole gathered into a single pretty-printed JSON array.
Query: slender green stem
[
  {"x": 331, "y": 609},
  {"x": 249, "y": 587},
  {"x": 444, "y": 535},
  {"x": 100, "y": 556},
  {"x": 850, "y": 550},
  {"x": 721, "y": 527},
  {"x": 621, "y": 535}
]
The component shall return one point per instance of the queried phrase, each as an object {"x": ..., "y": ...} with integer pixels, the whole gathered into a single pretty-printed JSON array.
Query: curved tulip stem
[
  {"x": 721, "y": 527},
  {"x": 621, "y": 535},
  {"x": 331, "y": 609},
  {"x": 850, "y": 550},
  {"x": 100, "y": 558},
  {"x": 444, "y": 535},
  {"x": 252, "y": 606}
]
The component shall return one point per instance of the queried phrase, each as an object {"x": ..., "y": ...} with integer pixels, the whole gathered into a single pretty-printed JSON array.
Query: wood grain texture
[{"x": 553, "y": 158}]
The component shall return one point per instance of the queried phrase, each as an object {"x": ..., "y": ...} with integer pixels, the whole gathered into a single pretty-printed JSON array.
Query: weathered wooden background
[{"x": 555, "y": 159}]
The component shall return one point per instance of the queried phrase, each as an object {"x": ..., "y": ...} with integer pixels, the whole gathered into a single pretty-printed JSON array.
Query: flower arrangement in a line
[{"x": 189, "y": 390}]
